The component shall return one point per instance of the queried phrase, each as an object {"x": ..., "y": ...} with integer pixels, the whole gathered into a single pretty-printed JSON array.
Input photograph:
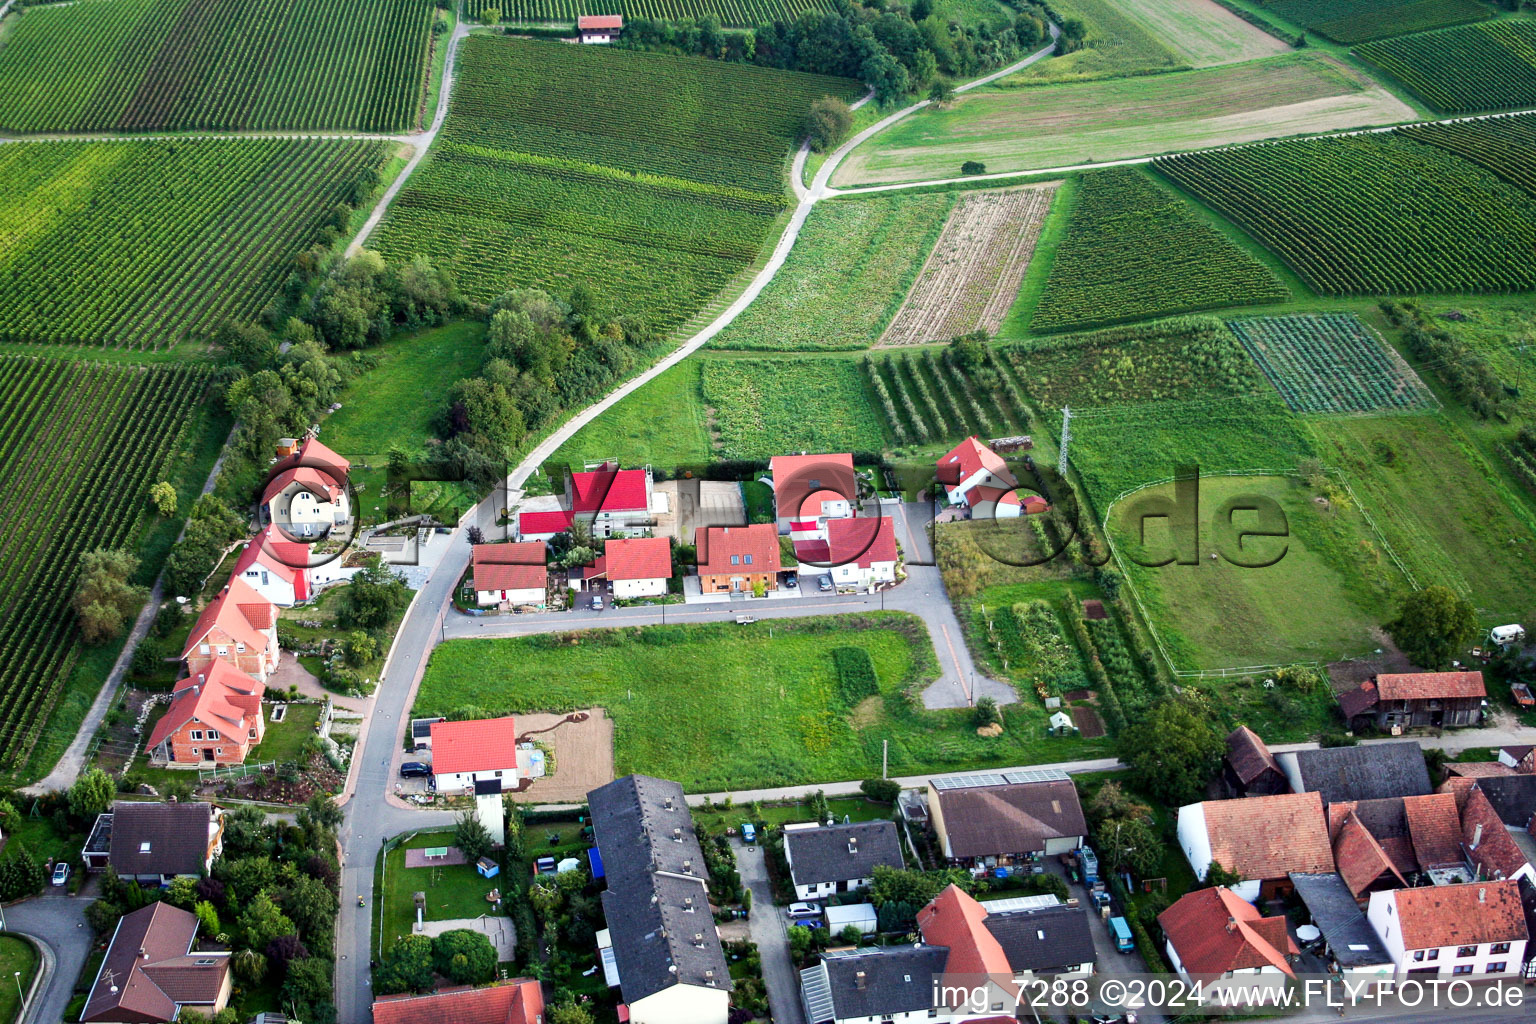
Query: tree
[
  {"x": 1129, "y": 844},
  {"x": 208, "y": 917},
  {"x": 851, "y": 935},
  {"x": 262, "y": 921},
  {"x": 1215, "y": 874},
  {"x": 565, "y": 1010},
  {"x": 91, "y": 794},
  {"x": 285, "y": 949},
  {"x": 407, "y": 966},
  {"x": 884, "y": 791},
  {"x": 22, "y": 876},
  {"x": 465, "y": 957},
  {"x": 307, "y": 989},
  {"x": 1112, "y": 801},
  {"x": 941, "y": 93},
  {"x": 828, "y": 123},
  {"x": 360, "y": 648},
  {"x": 1172, "y": 753},
  {"x": 973, "y": 167},
  {"x": 471, "y": 837},
  {"x": 490, "y": 16},
  {"x": 249, "y": 966},
  {"x": 163, "y": 496},
  {"x": 985, "y": 713},
  {"x": 374, "y": 596},
  {"x": 1434, "y": 626},
  {"x": 104, "y": 599}
]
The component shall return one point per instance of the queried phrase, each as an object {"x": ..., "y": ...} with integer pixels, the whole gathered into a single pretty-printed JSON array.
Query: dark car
[
  {"x": 415, "y": 769},
  {"x": 792, "y": 581}
]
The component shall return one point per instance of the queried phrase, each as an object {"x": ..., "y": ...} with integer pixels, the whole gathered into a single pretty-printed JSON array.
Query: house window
[
  {"x": 213, "y": 734},
  {"x": 223, "y": 651},
  {"x": 749, "y": 559},
  {"x": 1499, "y": 947},
  {"x": 197, "y": 734},
  {"x": 219, "y": 752},
  {"x": 735, "y": 559},
  {"x": 1462, "y": 969},
  {"x": 253, "y": 734},
  {"x": 144, "y": 847},
  {"x": 1466, "y": 951},
  {"x": 240, "y": 648},
  {"x": 1497, "y": 968},
  {"x": 203, "y": 649},
  {"x": 1434, "y": 954}
]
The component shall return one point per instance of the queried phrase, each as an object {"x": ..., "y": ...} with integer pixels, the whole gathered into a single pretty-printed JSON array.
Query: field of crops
[
  {"x": 846, "y": 275},
  {"x": 1504, "y": 145},
  {"x": 1134, "y": 250},
  {"x": 1355, "y": 21},
  {"x": 140, "y": 244},
  {"x": 83, "y": 443},
  {"x": 1331, "y": 362},
  {"x": 1117, "y": 44},
  {"x": 653, "y": 178},
  {"x": 765, "y": 407},
  {"x": 732, "y": 13},
  {"x": 1463, "y": 70},
  {"x": 151, "y": 65},
  {"x": 1372, "y": 214},
  {"x": 926, "y": 399},
  {"x": 972, "y": 275}
]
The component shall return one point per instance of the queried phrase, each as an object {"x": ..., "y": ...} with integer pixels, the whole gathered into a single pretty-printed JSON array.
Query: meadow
[
  {"x": 654, "y": 178},
  {"x": 732, "y": 13},
  {"x": 1117, "y": 42},
  {"x": 1372, "y": 214},
  {"x": 1356, "y": 21},
  {"x": 661, "y": 423},
  {"x": 1465, "y": 70},
  {"x": 1068, "y": 125},
  {"x": 727, "y": 707},
  {"x": 145, "y": 244},
  {"x": 1134, "y": 250},
  {"x": 1201, "y": 32},
  {"x": 765, "y": 407},
  {"x": 160, "y": 65},
  {"x": 1331, "y": 362},
  {"x": 848, "y": 272}
]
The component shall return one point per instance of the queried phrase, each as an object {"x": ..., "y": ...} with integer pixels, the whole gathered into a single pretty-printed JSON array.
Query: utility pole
[
  {"x": 1066, "y": 439},
  {"x": 885, "y": 759}
]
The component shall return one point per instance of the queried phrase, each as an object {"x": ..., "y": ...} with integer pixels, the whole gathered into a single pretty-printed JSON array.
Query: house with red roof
[
  {"x": 1262, "y": 839},
  {"x": 1213, "y": 935},
  {"x": 239, "y": 627},
  {"x": 737, "y": 559},
  {"x": 1409, "y": 700},
  {"x": 613, "y": 502},
  {"x": 1476, "y": 930},
  {"x": 510, "y": 574},
  {"x": 279, "y": 569},
  {"x": 151, "y": 974},
  {"x": 636, "y": 566},
  {"x": 214, "y": 718},
  {"x": 599, "y": 28},
  {"x": 306, "y": 492},
  {"x": 810, "y": 490},
  {"x": 477, "y": 750},
  {"x": 519, "y": 1001},
  {"x": 861, "y": 552},
  {"x": 973, "y": 475}
]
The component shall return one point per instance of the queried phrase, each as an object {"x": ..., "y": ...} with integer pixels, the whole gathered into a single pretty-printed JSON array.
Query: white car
[
  {"x": 802, "y": 911},
  {"x": 61, "y": 873},
  {"x": 597, "y": 602}
]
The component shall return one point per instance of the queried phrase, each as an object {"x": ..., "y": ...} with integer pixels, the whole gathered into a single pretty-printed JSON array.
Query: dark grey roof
[
  {"x": 1367, "y": 772},
  {"x": 658, "y": 941},
  {"x": 1350, "y": 937},
  {"x": 1045, "y": 940},
  {"x": 487, "y": 787},
  {"x": 176, "y": 834},
  {"x": 823, "y": 854},
  {"x": 1513, "y": 798},
  {"x": 895, "y": 979},
  {"x": 643, "y": 824},
  {"x": 985, "y": 821}
]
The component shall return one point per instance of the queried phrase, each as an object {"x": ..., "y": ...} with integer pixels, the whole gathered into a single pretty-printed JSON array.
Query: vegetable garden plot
[
  {"x": 1134, "y": 250},
  {"x": 1463, "y": 70},
  {"x": 140, "y": 244},
  {"x": 155, "y": 65},
  {"x": 1331, "y": 362},
  {"x": 1355, "y": 21},
  {"x": 1372, "y": 214},
  {"x": 972, "y": 275},
  {"x": 731, "y": 13},
  {"x": 83, "y": 442}
]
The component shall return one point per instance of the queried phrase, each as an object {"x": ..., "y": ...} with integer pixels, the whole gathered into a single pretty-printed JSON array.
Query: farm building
[
  {"x": 1261, "y": 839},
  {"x": 510, "y": 574},
  {"x": 1249, "y": 769},
  {"x": 599, "y": 28},
  {"x": 1217, "y": 934},
  {"x": 1407, "y": 700},
  {"x": 991, "y": 819}
]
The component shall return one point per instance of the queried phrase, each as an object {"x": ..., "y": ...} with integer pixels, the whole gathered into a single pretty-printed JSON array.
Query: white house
[
  {"x": 599, "y": 28},
  {"x": 464, "y": 753},
  {"x": 637, "y": 566},
  {"x": 278, "y": 569},
  {"x": 974, "y": 475},
  {"x": 510, "y": 574},
  {"x": 306, "y": 494},
  {"x": 828, "y": 859},
  {"x": 810, "y": 490},
  {"x": 861, "y": 552},
  {"x": 1214, "y": 936},
  {"x": 1476, "y": 929}
]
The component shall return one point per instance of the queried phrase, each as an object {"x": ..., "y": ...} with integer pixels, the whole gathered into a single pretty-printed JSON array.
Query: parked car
[
  {"x": 1122, "y": 934},
  {"x": 745, "y": 620},
  {"x": 748, "y": 832},
  {"x": 61, "y": 873},
  {"x": 415, "y": 769},
  {"x": 802, "y": 911},
  {"x": 791, "y": 581},
  {"x": 597, "y": 602},
  {"x": 824, "y": 583}
]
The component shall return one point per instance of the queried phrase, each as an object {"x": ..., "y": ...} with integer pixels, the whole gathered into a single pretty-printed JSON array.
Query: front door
[
  {"x": 736, "y": 582},
  {"x": 207, "y": 753}
]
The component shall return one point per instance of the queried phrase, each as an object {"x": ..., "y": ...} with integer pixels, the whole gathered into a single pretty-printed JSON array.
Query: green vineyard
[
  {"x": 1491, "y": 66},
  {"x": 142, "y": 244},
  {"x": 84, "y": 442},
  {"x": 926, "y": 399},
  {"x": 156, "y": 65},
  {"x": 1134, "y": 250},
  {"x": 1372, "y": 214},
  {"x": 1355, "y": 21},
  {"x": 654, "y": 178},
  {"x": 731, "y": 13},
  {"x": 1331, "y": 362},
  {"x": 1504, "y": 145}
]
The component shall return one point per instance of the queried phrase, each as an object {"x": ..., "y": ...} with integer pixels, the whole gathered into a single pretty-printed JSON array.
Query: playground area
[{"x": 424, "y": 872}]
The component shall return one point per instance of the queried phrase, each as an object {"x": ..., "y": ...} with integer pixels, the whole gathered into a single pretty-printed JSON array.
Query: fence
[{"x": 233, "y": 771}]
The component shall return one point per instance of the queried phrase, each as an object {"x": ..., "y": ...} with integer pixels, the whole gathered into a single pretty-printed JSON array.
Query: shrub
[{"x": 973, "y": 167}]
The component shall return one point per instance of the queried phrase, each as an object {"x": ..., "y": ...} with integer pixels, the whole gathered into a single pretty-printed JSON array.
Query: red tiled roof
[
  {"x": 478, "y": 745},
  {"x": 513, "y": 1002},
  {"x": 312, "y": 453},
  {"x": 1360, "y": 858},
  {"x": 311, "y": 478},
  {"x": 802, "y": 482},
  {"x": 237, "y": 610},
  {"x": 538, "y": 523},
  {"x": 1430, "y": 685},
  {"x": 1215, "y": 931},
  {"x": 956, "y": 921},
  {"x": 717, "y": 544},
  {"x": 587, "y": 21},
  {"x": 967, "y": 458},
  {"x": 639, "y": 558},
  {"x": 1248, "y": 755},
  {"x": 1494, "y": 851},
  {"x": 1460, "y": 915},
  {"x": 1435, "y": 826},
  {"x": 862, "y": 540},
  {"x": 1478, "y": 769},
  {"x": 1269, "y": 836},
  {"x": 510, "y": 566},
  {"x": 609, "y": 490},
  {"x": 814, "y": 552},
  {"x": 227, "y": 699},
  {"x": 274, "y": 552}
]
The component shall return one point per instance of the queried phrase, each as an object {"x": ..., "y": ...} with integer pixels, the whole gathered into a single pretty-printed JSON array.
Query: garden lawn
[
  {"x": 453, "y": 891},
  {"x": 1064, "y": 125},
  {"x": 661, "y": 423},
  {"x": 764, "y": 407},
  {"x": 847, "y": 274},
  {"x": 16, "y": 955},
  {"x": 1322, "y": 600},
  {"x": 284, "y": 740},
  {"x": 725, "y": 707}
]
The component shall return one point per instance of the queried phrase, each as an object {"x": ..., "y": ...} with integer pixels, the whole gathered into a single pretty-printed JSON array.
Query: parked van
[
  {"x": 802, "y": 911},
  {"x": 1090, "y": 862},
  {"x": 1121, "y": 933},
  {"x": 748, "y": 832}
]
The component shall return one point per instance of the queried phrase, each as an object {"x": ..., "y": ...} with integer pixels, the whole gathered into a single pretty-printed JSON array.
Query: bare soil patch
[
  {"x": 1094, "y": 609},
  {"x": 1088, "y": 722},
  {"x": 582, "y": 745}
]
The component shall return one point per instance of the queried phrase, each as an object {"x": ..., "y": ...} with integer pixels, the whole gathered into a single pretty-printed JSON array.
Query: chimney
[
  {"x": 853, "y": 844},
  {"x": 688, "y": 867},
  {"x": 677, "y": 835},
  {"x": 1477, "y": 840},
  {"x": 668, "y": 803},
  {"x": 143, "y": 953},
  {"x": 860, "y": 981},
  {"x": 1231, "y": 925},
  {"x": 688, "y": 904}
]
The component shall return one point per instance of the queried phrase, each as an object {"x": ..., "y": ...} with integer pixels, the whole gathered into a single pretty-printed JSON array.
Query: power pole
[
  {"x": 885, "y": 759},
  {"x": 1066, "y": 439}
]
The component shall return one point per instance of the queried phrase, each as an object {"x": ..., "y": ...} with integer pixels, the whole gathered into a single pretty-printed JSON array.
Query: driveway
[
  {"x": 767, "y": 929},
  {"x": 58, "y": 921}
]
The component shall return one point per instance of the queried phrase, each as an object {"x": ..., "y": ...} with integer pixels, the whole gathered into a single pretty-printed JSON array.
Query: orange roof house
[
  {"x": 1448, "y": 918},
  {"x": 478, "y": 748},
  {"x": 1434, "y": 825},
  {"x": 1360, "y": 859},
  {"x": 1263, "y": 839},
  {"x": 239, "y": 626},
  {"x": 520, "y": 1001},
  {"x": 807, "y": 489},
  {"x": 737, "y": 558},
  {"x": 214, "y": 717},
  {"x": 1215, "y": 932},
  {"x": 972, "y": 474},
  {"x": 636, "y": 566},
  {"x": 514, "y": 573}
]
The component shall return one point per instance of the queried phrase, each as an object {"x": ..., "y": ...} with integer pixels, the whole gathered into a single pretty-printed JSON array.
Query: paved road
[
  {"x": 58, "y": 921},
  {"x": 766, "y": 926}
]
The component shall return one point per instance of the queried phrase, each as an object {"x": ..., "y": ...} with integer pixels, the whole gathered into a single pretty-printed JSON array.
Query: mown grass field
[
  {"x": 765, "y": 407},
  {"x": 1320, "y": 601},
  {"x": 727, "y": 707},
  {"x": 1066, "y": 125},
  {"x": 1201, "y": 32},
  {"x": 453, "y": 892},
  {"x": 661, "y": 423},
  {"x": 1117, "y": 44},
  {"x": 848, "y": 272}
]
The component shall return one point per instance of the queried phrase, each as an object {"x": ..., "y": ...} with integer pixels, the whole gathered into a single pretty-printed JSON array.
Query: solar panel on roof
[{"x": 1007, "y": 777}]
